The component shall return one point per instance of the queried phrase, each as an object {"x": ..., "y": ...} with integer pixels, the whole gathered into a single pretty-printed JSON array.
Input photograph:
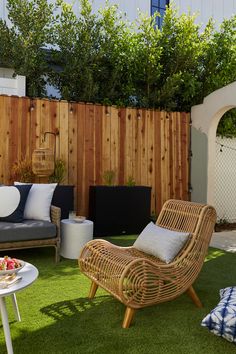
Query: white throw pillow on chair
[{"x": 162, "y": 243}]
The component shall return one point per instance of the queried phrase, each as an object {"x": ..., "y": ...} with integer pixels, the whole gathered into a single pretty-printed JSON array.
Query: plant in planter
[
  {"x": 109, "y": 177},
  {"x": 118, "y": 209},
  {"x": 59, "y": 173},
  {"x": 22, "y": 171},
  {"x": 131, "y": 181}
]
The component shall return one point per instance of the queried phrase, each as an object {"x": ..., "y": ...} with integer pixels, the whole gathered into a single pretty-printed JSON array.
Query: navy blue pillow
[{"x": 18, "y": 213}]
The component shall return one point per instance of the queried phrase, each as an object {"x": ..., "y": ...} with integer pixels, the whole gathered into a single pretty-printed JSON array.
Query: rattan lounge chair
[{"x": 138, "y": 279}]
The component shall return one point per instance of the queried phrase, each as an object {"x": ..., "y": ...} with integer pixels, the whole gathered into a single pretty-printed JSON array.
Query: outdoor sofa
[
  {"x": 27, "y": 217},
  {"x": 32, "y": 233}
]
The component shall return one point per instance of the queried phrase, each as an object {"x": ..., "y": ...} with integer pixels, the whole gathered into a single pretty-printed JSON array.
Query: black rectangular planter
[
  {"x": 117, "y": 210},
  {"x": 63, "y": 198}
]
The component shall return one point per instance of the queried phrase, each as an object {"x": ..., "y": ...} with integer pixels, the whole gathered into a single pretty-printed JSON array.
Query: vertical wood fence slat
[
  {"x": 47, "y": 140},
  {"x": 115, "y": 165},
  {"x": 184, "y": 154},
  {"x": 137, "y": 146},
  {"x": 26, "y": 129},
  {"x": 73, "y": 149},
  {"x": 33, "y": 125},
  {"x": 6, "y": 139},
  {"x": 54, "y": 125},
  {"x": 143, "y": 142},
  {"x": 106, "y": 141},
  {"x": 163, "y": 159},
  {"x": 151, "y": 147},
  {"x": 176, "y": 155},
  {"x": 89, "y": 168},
  {"x": 130, "y": 170},
  {"x": 151, "y": 159},
  {"x": 157, "y": 149},
  {"x": 3, "y": 139},
  {"x": 188, "y": 151},
  {"x": 98, "y": 143},
  {"x": 37, "y": 112},
  {"x": 122, "y": 136},
  {"x": 64, "y": 134},
  {"x": 81, "y": 158},
  {"x": 171, "y": 155},
  {"x": 15, "y": 130},
  {"x": 128, "y": 145},
  {"x": 180, "y": 190}
]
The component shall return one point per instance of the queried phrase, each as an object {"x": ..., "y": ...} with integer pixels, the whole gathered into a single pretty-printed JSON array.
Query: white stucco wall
[
  {"x": 10, "y": 85},
  {"x": 217, "y": 9},
  {"x": 224, "y": 184},
  {"x": 130, "y": 7},
  {"x": 205, "y": 119}
]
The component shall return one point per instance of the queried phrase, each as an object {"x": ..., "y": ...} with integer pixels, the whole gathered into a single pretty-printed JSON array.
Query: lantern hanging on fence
[
  {"x": 43, "y": 159},
  {"x": 43, "y": 162}
]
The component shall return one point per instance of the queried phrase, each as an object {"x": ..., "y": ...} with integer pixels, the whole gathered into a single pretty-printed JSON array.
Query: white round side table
[
  {"x": 74, "y": 236},
  {"x": 28, "y": 274}
]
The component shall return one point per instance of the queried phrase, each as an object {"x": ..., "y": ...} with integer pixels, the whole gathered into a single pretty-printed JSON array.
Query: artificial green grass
[{"x": 58, "y": 318}]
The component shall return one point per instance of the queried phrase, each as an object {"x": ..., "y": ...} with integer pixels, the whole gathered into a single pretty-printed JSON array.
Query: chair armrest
[{"x": 56, "y": 217}]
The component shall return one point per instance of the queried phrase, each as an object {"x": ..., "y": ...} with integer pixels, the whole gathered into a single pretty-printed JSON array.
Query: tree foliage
[
  {"x": 104, "y": 58},
  {"x": 23, "y": 41}
]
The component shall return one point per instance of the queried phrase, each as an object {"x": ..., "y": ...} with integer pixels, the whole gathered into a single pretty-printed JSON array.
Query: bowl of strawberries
[{"x": 10, "y": 265}]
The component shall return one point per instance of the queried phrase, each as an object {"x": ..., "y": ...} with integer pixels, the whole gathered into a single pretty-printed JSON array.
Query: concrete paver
[{"x": 224, "y": 240}]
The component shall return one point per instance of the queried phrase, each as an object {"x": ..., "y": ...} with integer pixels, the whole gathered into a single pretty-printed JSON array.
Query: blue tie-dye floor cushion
[{"x": 222, "y": 319}]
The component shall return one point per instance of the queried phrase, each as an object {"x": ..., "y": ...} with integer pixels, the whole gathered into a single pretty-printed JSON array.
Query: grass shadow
[
  {"x": 82, "y": 326},
  {"x": 58, "y": 318}
]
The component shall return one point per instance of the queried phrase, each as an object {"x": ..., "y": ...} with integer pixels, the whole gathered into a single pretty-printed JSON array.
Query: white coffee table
[
  {"x": 74, "y": 236},
  {"x": 29, "y": 274}
]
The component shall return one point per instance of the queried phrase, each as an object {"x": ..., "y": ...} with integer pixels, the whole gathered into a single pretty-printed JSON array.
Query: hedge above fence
[{"x": 104, "y": 58}]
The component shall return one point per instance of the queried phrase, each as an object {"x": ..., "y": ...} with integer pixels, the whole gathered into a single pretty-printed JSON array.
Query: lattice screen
[{"x": 225, "y": 179}]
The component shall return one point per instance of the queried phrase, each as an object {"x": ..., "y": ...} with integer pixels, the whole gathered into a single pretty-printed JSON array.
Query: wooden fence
[{"x": 150, "y": 146}]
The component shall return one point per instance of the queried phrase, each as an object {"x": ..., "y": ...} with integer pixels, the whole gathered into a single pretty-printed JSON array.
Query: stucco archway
[{"x": 205, "y": 118}]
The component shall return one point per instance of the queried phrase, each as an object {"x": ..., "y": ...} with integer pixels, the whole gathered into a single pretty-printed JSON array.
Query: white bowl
[
  {"x": 79, "y": 219},
  {"x": 11, "y": 271}
]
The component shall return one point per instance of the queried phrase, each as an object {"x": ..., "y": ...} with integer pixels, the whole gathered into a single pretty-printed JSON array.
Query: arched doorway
[{"x": 205, "y": 119}]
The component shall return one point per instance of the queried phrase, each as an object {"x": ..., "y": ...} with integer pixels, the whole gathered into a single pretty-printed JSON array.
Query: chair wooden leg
[
  {"x": 57, "y": 254},
  {"x": 191, "y": 292},
  {"x": 93, "y": 290},
  {"x": 129, "y": 315}
]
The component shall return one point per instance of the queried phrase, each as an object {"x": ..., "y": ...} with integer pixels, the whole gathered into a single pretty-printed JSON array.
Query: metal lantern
[{"x": 43, "y": 162}]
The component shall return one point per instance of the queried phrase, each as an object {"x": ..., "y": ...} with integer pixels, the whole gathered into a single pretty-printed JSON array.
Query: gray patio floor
[{"x": 224, "y": 240}]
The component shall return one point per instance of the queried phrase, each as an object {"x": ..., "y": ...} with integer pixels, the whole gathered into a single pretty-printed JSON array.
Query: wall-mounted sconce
[
  {"x": 32, "y": 107},
  {"x": 43, "y": 159},
  {"x": 107, "y": 112},
  {"x": 71, "y": 110},
  {"x": 138, "y": 115}
]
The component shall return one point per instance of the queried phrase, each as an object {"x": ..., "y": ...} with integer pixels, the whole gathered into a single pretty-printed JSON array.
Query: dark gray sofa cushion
[{"x": 26, "y": 230}]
